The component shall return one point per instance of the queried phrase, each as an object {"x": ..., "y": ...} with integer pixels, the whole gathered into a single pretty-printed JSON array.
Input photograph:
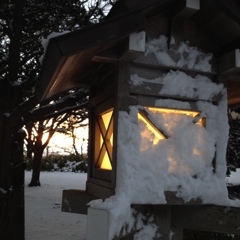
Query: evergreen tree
[
  {"x": 233, "y": 151},
  {"x": 23, "y": 25}
]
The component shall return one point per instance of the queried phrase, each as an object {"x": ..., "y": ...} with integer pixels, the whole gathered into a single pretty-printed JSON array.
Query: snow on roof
[{"x": 45, "y": 41}]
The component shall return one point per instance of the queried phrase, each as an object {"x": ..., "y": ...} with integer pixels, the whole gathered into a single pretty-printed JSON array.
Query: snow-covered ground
[
  {"x": 43, "y": 216},
  {"x": 44, "y": 219},
  {"x": 234, "y": 178}
]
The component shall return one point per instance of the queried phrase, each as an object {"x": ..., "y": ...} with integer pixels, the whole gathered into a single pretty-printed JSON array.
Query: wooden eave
[
  {"x": 72, "y": 60},
  {"x": 219, "y": 24},
  {"x": 68, "y": 57}
]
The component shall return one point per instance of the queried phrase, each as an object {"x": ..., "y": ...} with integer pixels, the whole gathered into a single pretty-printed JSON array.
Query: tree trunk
[
  {"x": 74, "y": 141},
  {"x": 38, "y": 152},
  {"x": 29, "y": 127},
  {"x": 37, "y": 162},
  {"x": 11, "y": 183}
]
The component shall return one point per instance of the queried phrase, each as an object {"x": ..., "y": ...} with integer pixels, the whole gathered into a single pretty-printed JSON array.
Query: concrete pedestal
[{"x": 97, "y": 224}]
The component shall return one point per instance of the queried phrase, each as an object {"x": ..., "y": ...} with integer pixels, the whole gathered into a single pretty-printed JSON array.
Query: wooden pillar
[
  {"x": 182, "y": 10},
  {"x": 219, "y": 219},
  {"x": 162, "y": 215}
]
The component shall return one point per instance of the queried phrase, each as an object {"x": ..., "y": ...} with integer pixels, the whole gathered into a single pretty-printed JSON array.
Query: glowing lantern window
[
  {"x": 197, "y": 117},
  {"x": 104, "y": 140},
  {"x": 143, "y": 116},
  {"x": 154, "y": 133}
]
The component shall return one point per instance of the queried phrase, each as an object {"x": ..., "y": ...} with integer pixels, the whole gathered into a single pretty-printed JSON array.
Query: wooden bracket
[
  {"x": 107, "y": 56},
  {"x": 185, "y": 9},
  {"x": 134, "y": 47},
  {"x": 75, "y": 201},
  {"x": 182, "y": 11},
  {"x": 229, "y": 63},
  {"x": 221, "y": 219},
  {"x": 129, "y": 51}
]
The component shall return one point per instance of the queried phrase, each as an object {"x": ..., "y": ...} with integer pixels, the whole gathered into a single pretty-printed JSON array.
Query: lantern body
[
  {"x": 170, "y": 134},
  {"x": 165, "y": 148}
]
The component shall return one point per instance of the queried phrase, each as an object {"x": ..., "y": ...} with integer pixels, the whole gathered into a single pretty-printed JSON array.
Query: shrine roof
[{"x": 71, "y": 60}]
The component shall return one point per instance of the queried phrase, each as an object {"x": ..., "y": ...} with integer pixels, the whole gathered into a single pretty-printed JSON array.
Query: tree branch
[{"x": 65, "y": 104}]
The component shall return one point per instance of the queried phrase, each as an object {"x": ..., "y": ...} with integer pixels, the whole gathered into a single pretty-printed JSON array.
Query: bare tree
[
  {"x": 75, "y": 120},
  {"x": 40, "y": 129},
  {"x": 51, "y": 118}
]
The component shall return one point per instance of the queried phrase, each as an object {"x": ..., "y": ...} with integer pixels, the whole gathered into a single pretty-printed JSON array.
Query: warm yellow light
[
  {"x": 196, "y": 151},
  {"x": 106, "y": 163},
  {"x": 101, "y": 141},
  {"x": 158, "y": 134},
  {"x": 106, "y": 117},
  {"x": 104, "y": 138},
  {"x": 193, "y": 114},
  {"x": 157, "y": 124},
  {"x": 152, "y": 128},
  {"x": 177, "y": 111}
]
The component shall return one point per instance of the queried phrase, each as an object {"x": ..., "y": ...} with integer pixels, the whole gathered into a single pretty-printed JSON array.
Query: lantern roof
[{"x": 74, "y": 59}]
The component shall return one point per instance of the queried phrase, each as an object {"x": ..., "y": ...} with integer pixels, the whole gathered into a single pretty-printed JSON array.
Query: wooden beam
[
  {"x": 81, "y": 45},
  {"x": 154, "y": 90},
  {"x": 134, "y": 47},
  {"x": 185, "y": 9},
  {"x": 229, "y": 63},
  {"x": 75, "y": 201},
  {"x": 173, "y": 199},
  {"x": 182, "y": 11},
  {"x": 101, "y": 34},
  {"x": 211, "y": 218},
  {"x": 161, "y": 216},
  {"x": 97, "y": 188},
  {"x": 151, "y": 62},
  {"x": 108, "y": 56}
]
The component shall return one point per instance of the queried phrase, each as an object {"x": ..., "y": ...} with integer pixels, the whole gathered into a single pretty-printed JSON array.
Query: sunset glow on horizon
[{"x": 61, "y": 143}]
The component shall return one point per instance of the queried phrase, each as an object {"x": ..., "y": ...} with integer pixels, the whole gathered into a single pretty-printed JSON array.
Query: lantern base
[{"x": 97, "y": 224}]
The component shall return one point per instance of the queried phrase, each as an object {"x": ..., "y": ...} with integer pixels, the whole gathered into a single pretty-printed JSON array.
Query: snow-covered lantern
[
  {"x": 157, "y": 136},
  {"x": 162, "y": 125},
  {"x": 104, "y": 138},
  {"x": 158, "y": 123},
  {"x": 154, "y": 104}
]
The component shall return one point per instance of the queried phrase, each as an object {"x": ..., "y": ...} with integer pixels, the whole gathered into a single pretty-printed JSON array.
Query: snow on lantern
[
  {"x": 160, "y": 138},
  {"x": 155, "y": 124},
  {"x": 175, "y": 120}
]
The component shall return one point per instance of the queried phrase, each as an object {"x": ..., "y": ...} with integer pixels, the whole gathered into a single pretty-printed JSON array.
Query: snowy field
[
  {"x": 43, "y": 216},
  {"x": 234, "y": 179},
  {"x": 44, "y": 219}
]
